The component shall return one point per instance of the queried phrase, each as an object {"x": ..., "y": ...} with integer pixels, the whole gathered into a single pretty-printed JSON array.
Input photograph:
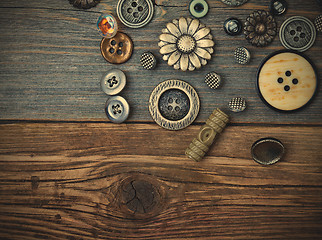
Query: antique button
[
  {"x": 297, "y": 33},
  {"x": 198, "y": 8},
  {"x": 117, "y": 109},
  {"x": 234, "y": 3},
  {"x": 278, "y": 7},
  {"x": 267, "y": 151},
  {"x": 174, "y": 104},
  {"x": 148, "y": 60},
  {"x": 318, "y": 23},
  {"x": 117, "y": 49},
  {"x": 107, "y": 25},
  {"x": 233, "y": 26},
  {"x": 213, "y": 80},
  {"x": 242, "y": 55},
  {"x": 85, "y": 4},
  {"x": 237, "y": 104},
  {"x": 135, "y": 13},
  {"x": 113, "y": 82},
  {"x": 286, "y": 80},
  {"x": 260, "y": 28}
]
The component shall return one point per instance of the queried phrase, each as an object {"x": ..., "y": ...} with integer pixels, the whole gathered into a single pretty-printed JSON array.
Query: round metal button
[
  {"x": 85, "y": 4},
  {"x": 117, "y": 49},
  {"x": 135, "y": 13},
  {"x": 267, "y": 151},
  {"x": 237, "y": 104},
  {"x": 233, "y": 26},
  {"x": 113, "y": 82},
  {"x": 318, "y": 23},
  {"x": 117, "y": 109},
  {"x": 297, "y": 33},
  {"x": 234, "y": 3},
  {"x": 278, "y": 7},
  {"x": 198, "y": 8},
  {"x": 174, "y": 104},
  {"x": 148, "y": 60},
  {"x": 242, "y": 55},
  {"x": 213, "y": 80}
]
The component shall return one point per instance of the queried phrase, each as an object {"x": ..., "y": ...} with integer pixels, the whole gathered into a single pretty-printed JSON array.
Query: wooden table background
[{"x": 68, "y": 173}]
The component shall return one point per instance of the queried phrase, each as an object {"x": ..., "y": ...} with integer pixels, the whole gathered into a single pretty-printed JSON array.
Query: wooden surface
[{"x": 67, "y": 173}]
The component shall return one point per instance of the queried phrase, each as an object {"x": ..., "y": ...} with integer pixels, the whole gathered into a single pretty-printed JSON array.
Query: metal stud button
[
  {"x": 135, "y": 13},
  {"x": 237, "y": 104},
  {"x": 297, "y": 33},
  {"x": 234, "y": 3},
  {"x": 213, "y": 80},
  {"x": 318, "y": 23},
  {"x": 233, "y": 26},
  {"x": 242, "y": 55},
  {"x": 278, "y": 7},
  {"x": 148, "y": 60},
  {"x": 267, "y": 151},
  {"x": 198, "y": 8},
  {"x": 113, "y": 82},
  {"x": 117, "y": 109}
]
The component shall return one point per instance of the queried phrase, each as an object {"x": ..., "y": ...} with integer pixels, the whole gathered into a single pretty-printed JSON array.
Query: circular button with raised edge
[
  {"x": 267, "y": 151},
  {"x": 233, "y": 26},
  {"x": 135, "y": 13},
  {"x": 242, "y": 55},
  {"x": 297, "y": 33},
  {"x": 213, "y": 80},
  {"x": 117, "y": 49},
  {"x": 148, "y": 60},
  {"x": 117, "y": 109},
  {"x": 318, "y": 23},
  {"x": 107, "y": 25},
  {"x": 198, "y": 8},
  {"x": 286, "y": 80},
  {"x": 234, "y": 3},
  {"x": 113, "y": 82},
  {"x": 278, "y": 7},
  {"x": 237, "y": 104}
]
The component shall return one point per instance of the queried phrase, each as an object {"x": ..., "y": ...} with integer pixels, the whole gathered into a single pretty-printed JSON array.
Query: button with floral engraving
[
  {"x": 113, "y": 82},
  {"x": 117, "y": 109}
]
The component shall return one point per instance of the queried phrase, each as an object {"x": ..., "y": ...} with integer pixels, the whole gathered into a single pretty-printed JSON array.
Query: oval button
[
  {"x": 113, "y": 82},
  {"x": 117, "y": 109}
]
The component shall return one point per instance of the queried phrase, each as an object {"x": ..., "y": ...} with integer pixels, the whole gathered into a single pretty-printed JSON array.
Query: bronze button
[{"x": 117, "y": 49}]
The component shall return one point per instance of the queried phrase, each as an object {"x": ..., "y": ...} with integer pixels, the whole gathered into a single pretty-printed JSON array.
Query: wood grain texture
[
  {"x": 50, "y": 62},
  {"x": 63, "y": 180}
]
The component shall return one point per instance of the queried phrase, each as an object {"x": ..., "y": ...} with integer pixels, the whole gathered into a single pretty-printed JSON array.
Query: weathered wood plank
[{"x": 50, "y": 63}]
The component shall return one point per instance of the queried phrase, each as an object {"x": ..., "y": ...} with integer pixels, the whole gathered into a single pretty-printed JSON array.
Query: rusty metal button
[
  {"x": 117, "y": 49},
  {"x": 267, "y": 151},
  {"x": 113, "y": 82},
  {"x": 117, "y": 109},
  {"x": 318, "y": 23},
  {"x": 278, "y": 7},
  {"x": 234, "y": 3},
  {"x": 233, "y": 26}
]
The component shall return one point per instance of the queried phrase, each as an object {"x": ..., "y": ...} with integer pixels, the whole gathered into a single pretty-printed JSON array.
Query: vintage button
[
  {"x": 135, "y": 13},
  {"x": 237, "y": 104},
  {"x": 234, "y": 3},
  {"x": 174, "y": 104},
  {"x": 117, "y": 109},
  {"x": 286, "y": 80},
  {"x": 278, "y": 7},
  {"x": 242, "y": 55},
  {"x": 198, "y": 8},
  {"x": 113, "y": 82},
  {"x": 85, "y": 4},
  {"x": 297, "y": 33},
  {"x": 117, "y": 49},
  {"x": 213, "y": 80},
  {"x": 267, "y": 151},
  {"x": 107, "y": 25},
  {"x": 148, "y": 60},
  {"x": 318, "y": 23},
  {"x": 233, "y": 26}
]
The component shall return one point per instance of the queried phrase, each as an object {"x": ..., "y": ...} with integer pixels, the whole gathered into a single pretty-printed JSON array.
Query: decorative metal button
[
  {"x": 278, "y": 7},
  {"x": 85, "y": 4},
  {"x": 135, "y": 13},
  {"x": 286, "y": 80},
  {"x": 148, "y": 60},
  {"x": 117, "y": 109},
  {"x": 186, "y": 44},
  {"x": 242, "y": 55},
  {"x": 174, "y": 104},
  {"x": 237, "y": 104},
  {"x": 267, "y": 151},
  {"x": 297, "y": 33},
  {"x": 233, "y": 26},
  {"x": 113, "y": 82},
  {"x": 260, "y": 28},
  {"x": 213, "y": 80},
  {"x": 318, "y": 23},
  {"x": 117, "y": 49},
  {"x": 107, "y": 25},
  {"x": 234, "y": 3},
  {"x": 198, "y": 8}
]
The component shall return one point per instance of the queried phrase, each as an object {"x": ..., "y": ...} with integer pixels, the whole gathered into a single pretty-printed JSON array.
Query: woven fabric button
[
  {"x": 117, "y": 109},
  {"x": 242, "y": 55},
  {"x": 148, "y": 60},
  {"x": 213, "y": 80},
  {"x": 117, "y": 49},
  {"x": 135, "y": 13},
  {"x": 297, "y": 33},
  {"x": 278, "y": 7},
  {"x": 237, "y": 104},
  {"x": 267, "y": 151},
  {"x": 318, "y": 23},
  {"x": 234, "y": 3},
  {"x": 233, "y": 26},
  {"x": 113, "y": 82},
  {"x": 198, "y": 8}
]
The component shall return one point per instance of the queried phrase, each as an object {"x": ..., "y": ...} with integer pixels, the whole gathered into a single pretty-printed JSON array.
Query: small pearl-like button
[
  {"x": 117, "y": 109},
  {"x": 113, "y": 82}
]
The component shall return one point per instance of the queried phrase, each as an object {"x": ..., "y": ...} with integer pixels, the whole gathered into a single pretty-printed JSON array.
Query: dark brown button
[{"x": 117, "y": 49}]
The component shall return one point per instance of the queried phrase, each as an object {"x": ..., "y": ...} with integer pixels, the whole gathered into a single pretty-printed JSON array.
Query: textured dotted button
[
  {"x": 242, "y": 55},
  {"x": 148, "y": 61},
  {"x": 117, "y": 109},
  {"x": 135, "y": 13},
  {"x": 213, "y": 80},
  {"x": 318, "y": 23},
  {"x": 297, "y": 33},
  {"x": 278, "y": 7},
  {"x": 234, "y": 3},
  {"x": 113, "y": 82},
  {"x": 286, "y": 80},
  {"x": 198, "y": 8},
  {"x": 233, "y": 26},
  {"x": 237, "y": 104}
]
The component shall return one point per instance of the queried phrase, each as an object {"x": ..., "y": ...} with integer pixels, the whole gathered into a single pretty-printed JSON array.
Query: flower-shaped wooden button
[{"x": 186, "y": 44}]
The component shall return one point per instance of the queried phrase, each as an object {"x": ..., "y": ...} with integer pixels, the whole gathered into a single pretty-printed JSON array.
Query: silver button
[
  {"x": 234, "y": 3},
  {"x": 267, "y": 151},
  {"x": 148, "y": 60},
  {"x": 135, "y": 13},
  {"x": 242, "y": 55},
  {"x": 213, "y": 80},
  {"x": 117, "y": 109},
  {"x": 297, "y": 33},
  {"x": 113, "y": 82},
  {"x": 318, "y": 23},
  {"x": 237, "y": 104}
]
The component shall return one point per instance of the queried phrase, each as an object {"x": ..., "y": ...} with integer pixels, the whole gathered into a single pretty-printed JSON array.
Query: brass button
[
  {"x": 267, "y": 151},
  {"x": 117, "y": 49}
]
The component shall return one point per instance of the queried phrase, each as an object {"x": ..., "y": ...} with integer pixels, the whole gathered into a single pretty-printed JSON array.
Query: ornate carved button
[
  {"x": 297, "y": 33},
  {"x": 242, "y": 55},
  {"x": 234, "y": 3},
  {"x": 117, "y": 109},
  {"x": 174, "y": 104},
  {"x": 107, "y": 25},
  {"x": 286, "y": 80},
  {"x": 233, "y": 26},
  {"x": 186, "y": 44},
  {"x": 318, "y": 23},
  {"x": 113, "y": 82},
  {"x": 278, "y": 7},
  {"x": 198, "y": 8},
  {"x": 117, "y": 49},
  {"x": 237, "y": 104},
  {"x": 85, "y": 4},
  {"x": 213, "y": 80},
  {"x": 260, "y": 28},
  {"x": 267, "y": 151},
  {"x": 148, "y": 60},
  {"x": 135, "y": 13}
]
